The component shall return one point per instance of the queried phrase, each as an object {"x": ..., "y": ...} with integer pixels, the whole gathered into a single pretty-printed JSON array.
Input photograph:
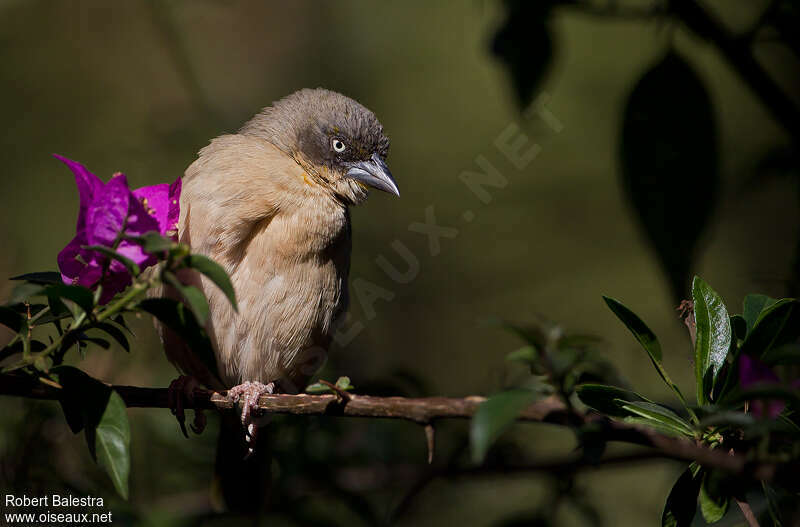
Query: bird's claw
[
  {"x": 181, "y": 392},
  {"x": 248, "y": 394}
]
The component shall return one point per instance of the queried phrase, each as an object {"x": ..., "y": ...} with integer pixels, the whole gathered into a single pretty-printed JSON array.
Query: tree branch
[{"x": 423, "y": 411}]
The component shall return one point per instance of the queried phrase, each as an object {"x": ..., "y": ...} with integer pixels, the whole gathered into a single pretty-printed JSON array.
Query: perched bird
[{"x": 270, "y": 204}]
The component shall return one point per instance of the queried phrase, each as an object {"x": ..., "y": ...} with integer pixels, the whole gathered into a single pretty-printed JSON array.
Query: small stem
[{"x": 747, "y": 512}]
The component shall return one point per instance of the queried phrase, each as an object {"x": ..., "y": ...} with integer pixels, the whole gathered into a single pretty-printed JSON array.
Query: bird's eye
[{"x": 338, "y": 145}]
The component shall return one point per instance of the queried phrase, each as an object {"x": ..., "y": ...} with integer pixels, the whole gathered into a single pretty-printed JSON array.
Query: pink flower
[{"x": 107, "y": 213}]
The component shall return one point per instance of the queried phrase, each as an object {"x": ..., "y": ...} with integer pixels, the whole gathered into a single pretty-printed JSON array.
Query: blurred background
[{"x": 657, "y": 160}]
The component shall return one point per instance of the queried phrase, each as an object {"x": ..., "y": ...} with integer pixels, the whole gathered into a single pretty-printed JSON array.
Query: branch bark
[{"x": 424, "y": 411}]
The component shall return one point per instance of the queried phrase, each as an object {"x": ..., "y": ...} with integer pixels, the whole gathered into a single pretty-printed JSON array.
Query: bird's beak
[{"x": 374, "y": 173}]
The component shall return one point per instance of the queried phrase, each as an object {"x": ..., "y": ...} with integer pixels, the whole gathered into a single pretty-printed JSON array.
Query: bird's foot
[
  {"x": 181, "y": 394},
  {"x": 249, "y": 393}
]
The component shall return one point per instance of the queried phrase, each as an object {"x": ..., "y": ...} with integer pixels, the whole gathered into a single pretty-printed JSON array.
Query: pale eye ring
[{"x": 338, "y": 145}]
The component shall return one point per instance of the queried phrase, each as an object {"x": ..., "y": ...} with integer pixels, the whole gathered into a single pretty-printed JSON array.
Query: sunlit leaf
[{"x": 713, "y": 337}]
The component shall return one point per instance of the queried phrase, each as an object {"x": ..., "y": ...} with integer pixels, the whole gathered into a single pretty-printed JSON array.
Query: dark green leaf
[
  {"x": 493, "y": 416},
  {"x": 11, "y": 319},
  {"x": 753, "y": 305},
  {"x": 115, "y": 333},
  {"x": 681, "y": 503},
  {"x": 193, "y": 296},
  {"x": 112, "y": 443},
  {"x": 646, "y": 338},
  {"x": 605, "y": 399},
  {"x": 713, "y": 501},
  {"x": 670, "y": 162},
  {"x": 782, "y": 355},
  {"x": 713, "y": 337},
  {"x": 129, "y": 264},
  {"x": 153, "y": 242},
  {"x": 174, "y": 315},
  {"x": 214, "y": 272},
  {"x": 103, "y": 343},
  {"x": 42, "y": 278},
  {"x": 778, "y": 324},
  {"x": 659, "y": 415},
  {"x": 739, "y": 327},
  {"x": 24, "y": 292},
  {"x": 81, "y": 296}
]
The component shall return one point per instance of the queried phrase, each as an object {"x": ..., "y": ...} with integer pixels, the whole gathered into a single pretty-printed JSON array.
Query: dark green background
[{"x": 140, "y": 86}]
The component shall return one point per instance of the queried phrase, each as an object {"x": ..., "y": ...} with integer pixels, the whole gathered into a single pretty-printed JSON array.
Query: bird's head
[{"x": 336, "y": 140}]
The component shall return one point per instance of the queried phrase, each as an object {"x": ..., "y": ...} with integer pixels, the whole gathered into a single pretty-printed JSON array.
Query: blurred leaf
[
  {"x": 605, "y": 399},
  {"x": 524, "y": 43},
  {"x": 193, "y": 296},
  {"x": 153, "y": 242},
  {"x": 115, "y": 333},
  {"x": 81, "y": 296},
  {"x": 646, "y": 338},
  {"x": 526, "y": 354},
  {"x": 41, "y": 278},
  {"x": 11, "y": 319},
  {"x": 343, "y": 383},
  {"x": 782, "y": 355},
  {"x": 669, "y": 160},
  {"x": 493, "y": 416},
  {"x": 773, "y": 504},
  {"x": 713, "y": 501},
  {"x": 24, "y": 292},
  {"x": 681, "y": 503},
  {"x": 214, "y": 272},
  {"x": 660, "y": 415},
  {"x": 129, "y": 264},
  {"x": 738, "y": 328},
  {"x": 713, "y": 337},
  {"x": 719, "y": 418},
  {"x": 778, "y": 324}
]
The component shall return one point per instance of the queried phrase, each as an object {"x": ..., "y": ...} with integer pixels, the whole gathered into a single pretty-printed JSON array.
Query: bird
[{"x": 270, "y": 203}]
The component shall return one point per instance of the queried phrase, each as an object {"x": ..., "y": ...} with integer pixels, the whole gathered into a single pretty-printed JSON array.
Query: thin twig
[{"x": 747, "y": 512}]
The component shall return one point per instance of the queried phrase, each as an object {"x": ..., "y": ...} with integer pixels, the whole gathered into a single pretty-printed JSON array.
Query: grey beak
[{"x": 374, "y": 173}]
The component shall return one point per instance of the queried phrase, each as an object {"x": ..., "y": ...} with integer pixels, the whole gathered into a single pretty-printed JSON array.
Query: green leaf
[
  {"x": 713, "y": 501},
  {"x": 648, "y": 341},
  {"x": 753, "y": 306},
  {"x": 493, "y": 416},
  {"x": 526, "y": 354},
  {"x": 41, "y": 278},
  {"x": 112, "y": 443},
  {"x": 193, "y": 296},
  {"x": 318, "y": 387},
  {"x": 174, "y": 315},
  {"x": 99, "y": 411},
  {"x": 153, "y": 242},
  {"x": 659, "y": 416},
  {"x": 605, "y": 399},
  {"x": 739, "y": 327},
  {"x": 129, "y": 264},
  {"x": 681, "y": 504},
  {"x": 81, "y": 296},
  {"x": 11, "y": 319},
  {"x": 782, "y": 355},
  {"x": 115, "y": 333},
  {"x": 24, "y": 292},
  {"x": 214, "y": 272},
  {"x": 778, "y": 324},
  {"x": 713, "y": 337},
  {"x": 343, "y": 383},
  {"x": 773, "y": 504}
]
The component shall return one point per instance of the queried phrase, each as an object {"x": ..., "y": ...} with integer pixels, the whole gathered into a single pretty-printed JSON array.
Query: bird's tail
[{"x": 242, "y": 479}]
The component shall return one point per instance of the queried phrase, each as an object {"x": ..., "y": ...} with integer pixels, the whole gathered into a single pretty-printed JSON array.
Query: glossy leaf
[
  {"x": 214, "y": 272},
  {"x": 660, "y": 415},
  {"x": 493, "y": 416},
  {"x": 713, "y": 337},
  {"x": 681, "y": 504}
]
